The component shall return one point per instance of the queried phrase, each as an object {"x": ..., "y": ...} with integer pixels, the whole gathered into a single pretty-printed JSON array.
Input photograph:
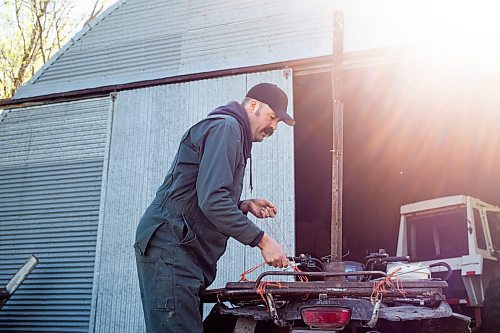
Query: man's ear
[{"x": 255, "y": 106}]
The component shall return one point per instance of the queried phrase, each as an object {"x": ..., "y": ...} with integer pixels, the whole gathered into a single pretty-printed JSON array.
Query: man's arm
[
  {"x": 271, "y": 251},
  {"x": 220, "y": 154}
]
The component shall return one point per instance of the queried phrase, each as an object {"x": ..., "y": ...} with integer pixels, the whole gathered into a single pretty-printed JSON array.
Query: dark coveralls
[{"x": 184, "y": 231}]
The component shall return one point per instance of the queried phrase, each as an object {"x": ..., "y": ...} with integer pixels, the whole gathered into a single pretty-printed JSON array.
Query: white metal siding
[
  {"x": 51, "y": 161},
  {"x": 147, "y": 126},
  {"x": 141, "y": 40}
]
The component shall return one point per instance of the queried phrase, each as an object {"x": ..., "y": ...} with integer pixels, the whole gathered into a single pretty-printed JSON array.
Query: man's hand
[
  {"x": 272, "y": 252},
  {"x": 261, "y": 208}
]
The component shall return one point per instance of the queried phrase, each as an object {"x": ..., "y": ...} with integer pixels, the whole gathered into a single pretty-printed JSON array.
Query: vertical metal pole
[{"x": 338, "y": 148}]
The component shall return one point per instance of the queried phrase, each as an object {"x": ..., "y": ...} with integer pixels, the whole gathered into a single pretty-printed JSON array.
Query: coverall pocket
[
  {"x": 149, "y": 248},
  {"x": 151, "y": 255},
  {"x": 182, "y": 229},
  {"x": 165, "y": 300}
]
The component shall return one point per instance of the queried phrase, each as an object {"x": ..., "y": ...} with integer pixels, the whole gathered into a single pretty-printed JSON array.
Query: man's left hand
[{"x": 261, "y": 208}]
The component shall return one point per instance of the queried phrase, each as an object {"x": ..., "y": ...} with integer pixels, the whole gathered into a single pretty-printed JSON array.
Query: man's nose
[{"x": 274, "y": 125}]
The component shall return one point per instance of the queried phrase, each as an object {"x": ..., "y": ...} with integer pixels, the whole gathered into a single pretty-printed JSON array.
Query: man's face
[{"x": 263, "y": 121}]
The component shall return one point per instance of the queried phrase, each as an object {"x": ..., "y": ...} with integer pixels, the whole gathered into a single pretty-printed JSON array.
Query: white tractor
[{"x": 463, "y": 232}]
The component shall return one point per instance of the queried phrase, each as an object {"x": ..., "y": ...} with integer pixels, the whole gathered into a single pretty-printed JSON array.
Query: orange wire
[
  {"x": 261, "y": 288},
  {"x": 379, "y": 287},
  {"x": 248, "y": 271},
  {"x": 302, "y": 278}
]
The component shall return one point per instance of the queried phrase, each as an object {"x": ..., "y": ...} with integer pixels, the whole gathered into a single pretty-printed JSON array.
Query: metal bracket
[
  {"x": 273, "y": 312},
  {"x": 245, "y": 325},
  {"x": 376, "y": 308},
  {"x": 17, "y": 279}
]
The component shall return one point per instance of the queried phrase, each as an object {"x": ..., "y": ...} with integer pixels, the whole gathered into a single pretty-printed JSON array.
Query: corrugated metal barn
[{"x": 86, "y": 142}]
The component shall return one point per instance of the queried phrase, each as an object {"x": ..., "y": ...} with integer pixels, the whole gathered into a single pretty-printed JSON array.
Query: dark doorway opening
[
  {"x": 412, "y": 132},
  {"x": 313, "y": 161}
]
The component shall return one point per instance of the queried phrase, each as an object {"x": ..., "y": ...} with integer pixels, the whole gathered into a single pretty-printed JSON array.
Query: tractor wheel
[{"x": 491, "y": 309}]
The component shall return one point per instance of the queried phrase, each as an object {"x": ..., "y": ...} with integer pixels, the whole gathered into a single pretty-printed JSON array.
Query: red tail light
[{"x": 326, "y": 317}]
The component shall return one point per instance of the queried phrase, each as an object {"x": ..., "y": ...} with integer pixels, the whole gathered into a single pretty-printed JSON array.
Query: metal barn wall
[
  {"x": 138, "y": 40},
  {"x": 51, "y": 160},
  {"x": 147, "y": 126}
]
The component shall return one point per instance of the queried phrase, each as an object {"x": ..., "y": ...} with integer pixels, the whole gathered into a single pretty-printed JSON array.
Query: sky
[
  {"x": 84, "y": 8},
  {"x": 10, "y": 40},
  {"x": 81, "y": 9}
]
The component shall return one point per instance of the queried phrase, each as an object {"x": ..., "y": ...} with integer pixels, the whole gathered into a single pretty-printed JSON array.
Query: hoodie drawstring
[{"x": 251, "y": 184}]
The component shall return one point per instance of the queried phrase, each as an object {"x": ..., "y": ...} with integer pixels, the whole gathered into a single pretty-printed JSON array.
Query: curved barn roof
[{"x": 136, "y": 40}]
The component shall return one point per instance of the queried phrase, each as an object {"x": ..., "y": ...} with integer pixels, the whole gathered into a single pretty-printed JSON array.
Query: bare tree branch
[
  {"x": 96, "y": 10},
  {"x": 34, "y": 31}
]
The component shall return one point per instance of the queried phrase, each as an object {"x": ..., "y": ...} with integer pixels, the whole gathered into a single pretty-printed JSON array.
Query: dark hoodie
[
  {"x": 204, "y": 185},
  {"x": 234, "y": 109}
]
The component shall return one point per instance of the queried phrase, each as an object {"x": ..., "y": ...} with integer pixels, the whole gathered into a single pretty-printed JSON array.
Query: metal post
[{"x": 338, "y": 148}]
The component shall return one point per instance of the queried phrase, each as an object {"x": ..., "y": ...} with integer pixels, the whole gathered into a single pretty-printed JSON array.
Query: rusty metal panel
[{"x": 147, "y": 126}]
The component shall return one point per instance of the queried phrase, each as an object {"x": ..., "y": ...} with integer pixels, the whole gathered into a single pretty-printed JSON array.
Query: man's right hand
[{"x": 272, "y": 252}]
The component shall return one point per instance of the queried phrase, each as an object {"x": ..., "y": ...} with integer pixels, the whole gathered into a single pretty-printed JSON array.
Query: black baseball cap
[{"x": 273, "y": 96}]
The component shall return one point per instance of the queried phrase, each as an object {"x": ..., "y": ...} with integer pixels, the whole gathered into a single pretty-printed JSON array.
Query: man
[{"x": 184, "y": 231}]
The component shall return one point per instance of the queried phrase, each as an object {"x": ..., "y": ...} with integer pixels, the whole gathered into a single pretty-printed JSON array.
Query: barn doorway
[
  {"x": 313, "y": 161},
  {"x": 412, "y": 131}
]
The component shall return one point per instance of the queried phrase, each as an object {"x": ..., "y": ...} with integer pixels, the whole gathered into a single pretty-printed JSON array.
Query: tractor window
[
  {"x": 494, "y": 224},
  {"x": 478, "y": 225},
  {"x": 438, "y": 235}
]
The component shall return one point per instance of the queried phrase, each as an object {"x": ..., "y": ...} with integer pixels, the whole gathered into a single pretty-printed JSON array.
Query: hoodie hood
[{"x": 237, "y": 111}]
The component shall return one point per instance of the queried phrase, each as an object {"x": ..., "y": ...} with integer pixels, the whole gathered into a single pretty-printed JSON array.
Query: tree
[{"x": 32, "y": 31}]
